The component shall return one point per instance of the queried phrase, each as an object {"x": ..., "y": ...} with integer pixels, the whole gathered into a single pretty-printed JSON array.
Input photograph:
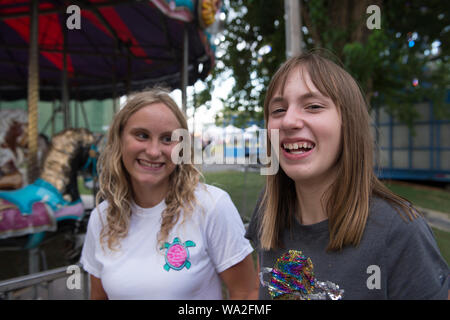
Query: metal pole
[
  {"x": 33, "y": 266},
  {"x": 76, "y": 114},
  {"x": 65, "y": 91},
  {"x": 293, "y": 27},
  {"x": 53, "y": 118},
  {"x": 114, "y": 70},
  {"x": 129, "y": 67},
  {"x": 184, "y": 70},
  {"x": 83, "y": 111},
  {"x": 194, "y": 104},
  {"x": 33, "y": 93},
  {"x": 114, "y": 95},
  {"x": 86, "y": 285}
]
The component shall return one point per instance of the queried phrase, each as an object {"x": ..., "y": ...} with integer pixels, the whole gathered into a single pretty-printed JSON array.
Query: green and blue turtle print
[{"x": 177, "y": 254}]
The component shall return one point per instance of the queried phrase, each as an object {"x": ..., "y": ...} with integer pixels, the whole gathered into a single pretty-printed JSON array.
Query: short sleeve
[
  {"x": 225, "y": 231},
  {"x": 91, "y": 245},
  {"x": 416, "y": 269}
]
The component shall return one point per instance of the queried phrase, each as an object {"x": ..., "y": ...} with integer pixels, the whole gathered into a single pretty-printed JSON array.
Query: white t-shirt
[{"x": 196, "y": 251}]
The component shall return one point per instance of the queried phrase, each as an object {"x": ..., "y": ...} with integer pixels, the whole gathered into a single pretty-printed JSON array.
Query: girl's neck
[
  {"x": 311, "y": 208},
  {"x": 148, "y": 197}
]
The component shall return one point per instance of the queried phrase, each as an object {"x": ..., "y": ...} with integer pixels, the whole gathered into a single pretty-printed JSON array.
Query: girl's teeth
[
  {"x": 295, "y": 146},
  {"x": 151, "y": 165},
  {"x": 298, "y": 148}
]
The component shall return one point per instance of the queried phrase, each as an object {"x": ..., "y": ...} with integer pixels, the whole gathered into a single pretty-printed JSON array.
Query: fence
[
  {"x": 65, "y": 283},
  {"x": 418, "y": 153}
]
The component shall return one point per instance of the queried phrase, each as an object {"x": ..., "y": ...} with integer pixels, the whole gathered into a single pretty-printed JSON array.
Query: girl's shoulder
[
  {"x": 100, "y": 208},
  {"x": 98, "y": 214},
  {"x": 214, "y": 201},
  {"x": 393, "y": 221},
  {"x": 412, "y": 257},
  {"x": 209, "y": 195}
]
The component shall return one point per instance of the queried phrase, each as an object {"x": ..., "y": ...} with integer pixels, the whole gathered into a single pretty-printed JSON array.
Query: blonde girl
[{"x": 159, "y": 233}]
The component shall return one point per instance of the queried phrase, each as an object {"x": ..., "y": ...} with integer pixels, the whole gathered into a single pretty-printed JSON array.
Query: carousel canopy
[{"x": 113, "y": 48}]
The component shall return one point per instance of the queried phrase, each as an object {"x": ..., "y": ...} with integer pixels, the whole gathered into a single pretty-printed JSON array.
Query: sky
[{"x": 203, "y": 116}]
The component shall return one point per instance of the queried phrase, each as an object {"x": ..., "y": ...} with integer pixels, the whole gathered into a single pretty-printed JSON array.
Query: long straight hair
[{"x": 347, "y": 199}]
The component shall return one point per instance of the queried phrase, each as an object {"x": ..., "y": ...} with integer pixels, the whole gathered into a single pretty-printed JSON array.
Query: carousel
[{"x": 91, "y": 49}]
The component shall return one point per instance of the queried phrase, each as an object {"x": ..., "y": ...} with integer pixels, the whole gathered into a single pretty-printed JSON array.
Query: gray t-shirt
[{"x": 396, "y": 259}]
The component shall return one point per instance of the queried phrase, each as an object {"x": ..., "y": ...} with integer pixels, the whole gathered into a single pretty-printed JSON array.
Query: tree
[{"x": 403, "y": 62}]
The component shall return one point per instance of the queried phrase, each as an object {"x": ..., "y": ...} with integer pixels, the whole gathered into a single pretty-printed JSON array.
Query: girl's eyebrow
[
  {"x": 311, "y": 95},
  {"x": 276, "y": 99},
  {"x": 138, "y": 129},
  {"x": 305, "y": 96},
  {"x": 135, "y": 129}
]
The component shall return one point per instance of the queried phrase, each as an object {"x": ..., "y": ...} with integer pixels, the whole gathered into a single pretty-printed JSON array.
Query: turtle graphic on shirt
[{"x": 177, "y": 254}]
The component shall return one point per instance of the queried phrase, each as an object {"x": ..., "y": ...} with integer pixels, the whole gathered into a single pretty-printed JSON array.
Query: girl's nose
[
  {"x": 293, "y": 119},
  {"x": 153, "y": 149}
]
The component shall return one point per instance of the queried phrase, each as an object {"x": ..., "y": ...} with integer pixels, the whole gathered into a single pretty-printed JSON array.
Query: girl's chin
[
  {"x": 149, "y": 183},
  {"x": 299, "y": 178},
  {"x": 298, "y": 172},
  {"x": 309, "y": 176}
]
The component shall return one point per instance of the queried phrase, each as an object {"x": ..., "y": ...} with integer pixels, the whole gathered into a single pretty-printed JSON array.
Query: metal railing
[{"x": 54, "y": 282}]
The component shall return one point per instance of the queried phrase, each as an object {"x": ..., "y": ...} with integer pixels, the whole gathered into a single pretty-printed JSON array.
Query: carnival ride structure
[
  {"x": 116, "y": 47},
  {"x": 51, "y": 205}
]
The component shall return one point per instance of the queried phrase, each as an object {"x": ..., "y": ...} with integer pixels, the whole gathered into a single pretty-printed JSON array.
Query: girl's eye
[
  {"x": 277, "y": 110},
  {"x": 141, "y": 135},
  {"x": 314, "y": 107},
  {"x": 166, "y": 139}
]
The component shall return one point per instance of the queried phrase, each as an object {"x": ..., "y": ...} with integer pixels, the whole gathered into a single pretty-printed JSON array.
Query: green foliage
[
  {"x": 204, "y": 97},
  {"x": 381, "y": 60}
]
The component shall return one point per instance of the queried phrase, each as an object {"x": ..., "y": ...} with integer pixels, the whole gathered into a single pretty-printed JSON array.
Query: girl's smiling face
[
  {"x": 309, "y": 126},
  {"x": 147, "y": 146}
]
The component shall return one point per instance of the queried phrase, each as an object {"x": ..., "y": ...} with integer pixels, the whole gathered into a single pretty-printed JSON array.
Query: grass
[
  {"x": 243, "y": 188},
  {"x": 443, "y": 242},
  {"x": 81, "y": 187},
  {"x": 423, "y": 196}
]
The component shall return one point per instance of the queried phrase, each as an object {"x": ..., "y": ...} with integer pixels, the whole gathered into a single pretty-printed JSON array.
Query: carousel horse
[
  {"x": 13, "y": 141},
  {"x": 51, "y": 205}
]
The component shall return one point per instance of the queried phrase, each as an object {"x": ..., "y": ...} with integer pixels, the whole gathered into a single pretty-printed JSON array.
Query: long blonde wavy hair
[
  {"x": 114, "y": 180},
  {"x": 347, "y": 199}
]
